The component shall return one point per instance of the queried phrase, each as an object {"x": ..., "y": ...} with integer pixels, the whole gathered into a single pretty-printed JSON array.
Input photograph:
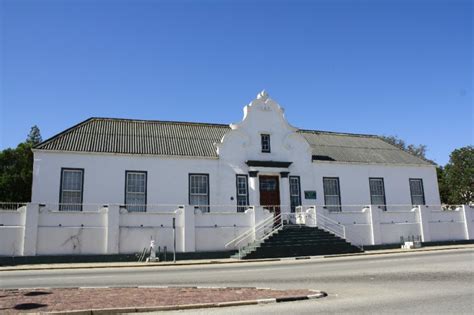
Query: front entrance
[{"x": 270, "y": 193}]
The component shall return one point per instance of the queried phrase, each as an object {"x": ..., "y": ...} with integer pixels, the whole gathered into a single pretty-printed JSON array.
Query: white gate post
[
  {"x": 112, "y": 229},
  {"x": 374, "y": 220},
  {"x": 188, "y": 225},
  {"x": 30, "y": 237},
  {"x": 467, "y": 217},
  {"x": 424, "y": 215}
]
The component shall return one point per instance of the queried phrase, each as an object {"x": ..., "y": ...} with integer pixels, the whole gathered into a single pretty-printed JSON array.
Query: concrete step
[{"x": 294, "y": 240}]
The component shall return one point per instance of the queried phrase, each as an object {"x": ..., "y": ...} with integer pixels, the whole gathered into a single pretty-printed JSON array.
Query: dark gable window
[
  {"x": 295, "y": 192},
  {"x": 417, "y": 191},
  {"x": 332, "y": 193},
  {"x": 265, "y": 140},
  {"x": 199, "y": 191},
  {"x": 242, "y": 193},
  {"x": 135, "y": 191},
  {"x": 71, "y": 190},
  {"x": 377, "y": 193}
]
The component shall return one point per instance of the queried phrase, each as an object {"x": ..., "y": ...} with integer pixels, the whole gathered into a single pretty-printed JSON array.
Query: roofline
[
  {"x": 374, "y": 163},
  {"x": 61, "y": 133},
  {"x": 338, "y": 133},
  {"x": 162, "y": 121},
  {"x": 405, "y": 150},
  {"x": 39, "y": 145},
  {"x": 127, "y": 154}
]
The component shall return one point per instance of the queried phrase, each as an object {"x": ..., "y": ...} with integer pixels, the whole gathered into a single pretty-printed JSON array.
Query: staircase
[{"x": 297, "y": 240}]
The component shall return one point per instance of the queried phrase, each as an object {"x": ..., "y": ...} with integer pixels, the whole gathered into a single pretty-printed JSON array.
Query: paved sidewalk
[
  {"x": 219, "y": 261},
  {"x": 139, "y": 299}
]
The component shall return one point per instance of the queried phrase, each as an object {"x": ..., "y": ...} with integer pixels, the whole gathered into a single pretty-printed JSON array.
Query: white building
[
  {"x": 258, "y": 161},
  {"x": 148, "y": 169}
]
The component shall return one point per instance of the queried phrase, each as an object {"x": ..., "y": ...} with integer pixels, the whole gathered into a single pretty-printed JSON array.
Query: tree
[
  {"x": 34, "y": 137},
  {"x": 443, "y": 187},
  {"x": 417, "y": 150},
  {"x": 16, "y": 169},
  {"x": 459, "y": 176}
]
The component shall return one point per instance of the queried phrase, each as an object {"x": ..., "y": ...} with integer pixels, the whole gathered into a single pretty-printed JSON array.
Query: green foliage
[
  {"x": 34, "y": 137},
  {"x": 443, "y": 187},
  {"x": 16, "y": 169},
  {"x": 459, "y": 176},
  {"x": 417, "y": 150}
]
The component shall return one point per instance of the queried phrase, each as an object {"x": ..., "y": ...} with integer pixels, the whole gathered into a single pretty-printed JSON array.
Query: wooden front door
[{"x": 270, "y": 193}]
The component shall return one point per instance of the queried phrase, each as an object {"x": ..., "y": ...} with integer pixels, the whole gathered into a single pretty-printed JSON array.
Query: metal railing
[
  {"x": 320, "y": 220},
  {"x": 12, "y": 206},
  {"x": 260, "y": 232},
  {"x": 330, "y": 225}
]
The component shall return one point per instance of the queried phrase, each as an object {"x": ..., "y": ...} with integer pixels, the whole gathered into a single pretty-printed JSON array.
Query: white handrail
[
  {"x": 250, "y": 231},
  {"x": 262, "y": 225},
  {"x": 326, "y": 224}
]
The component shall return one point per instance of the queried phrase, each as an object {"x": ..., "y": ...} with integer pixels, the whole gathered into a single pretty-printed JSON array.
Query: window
[
  {"x": 332, "y": 194},
  {"x": 242, "y": 193},
  {"x": 377, "y": 193},
  {"x": 135, "y": 191},
  {"x": 417, "y": 192},
  {"x": 265, "y": 143},
  {"x": 295, "y": 192},
  {"x": 199, "y": 191},
  {"x": 72, "y": 184}
]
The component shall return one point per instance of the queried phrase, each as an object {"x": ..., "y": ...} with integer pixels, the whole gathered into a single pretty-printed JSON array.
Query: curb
[
  {"x": 398, "y": 251},
  {"x": 316, "y": 295},
  {"x": 214, "y": 262}
]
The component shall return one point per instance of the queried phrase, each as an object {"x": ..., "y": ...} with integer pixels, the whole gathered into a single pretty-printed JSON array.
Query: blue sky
[{"x": 401, "y": 68}]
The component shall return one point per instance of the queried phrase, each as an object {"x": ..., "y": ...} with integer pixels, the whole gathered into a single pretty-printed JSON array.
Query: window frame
[
  {"x": 293, "y": 207},
  {"x": 337, "y": 207},
  {"x": 208, "y": 206},
  {"x": 60, "y": 206},
  {"x": 237, "y": 191},
  {"x": 384, "y": 206},
  {"x": 420, "y": 180},
  {"x": 265, "y": 150},
  {"x": 146, "y": 189}
]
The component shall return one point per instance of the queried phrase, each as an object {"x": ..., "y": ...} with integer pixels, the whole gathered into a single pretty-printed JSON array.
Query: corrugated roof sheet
[
  {"x": 357, "y": 149},
  {"x": 149, "y": 137}
]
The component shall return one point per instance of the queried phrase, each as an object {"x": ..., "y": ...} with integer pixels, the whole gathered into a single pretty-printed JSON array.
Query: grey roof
[
  {"x": 150, "y": 137},
  {"x": 329, "y": 146}
]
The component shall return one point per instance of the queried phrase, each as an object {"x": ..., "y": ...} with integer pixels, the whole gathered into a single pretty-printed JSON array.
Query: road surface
[{"x": 438, "y": 282}]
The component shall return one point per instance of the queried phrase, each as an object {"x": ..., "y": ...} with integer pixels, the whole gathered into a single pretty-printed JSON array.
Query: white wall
[
  {"x": 12, "y": 229},
  {"x": 354, "y": 183},
  {"x": 42, "y": 231}
]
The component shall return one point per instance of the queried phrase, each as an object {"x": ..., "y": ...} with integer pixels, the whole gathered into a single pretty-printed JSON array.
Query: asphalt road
[{"x": 440, "y": 282}]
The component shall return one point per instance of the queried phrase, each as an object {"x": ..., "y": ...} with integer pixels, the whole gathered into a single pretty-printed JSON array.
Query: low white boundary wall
[
  {"x": 371, "y": 225},
  {"x": 42, "y": 230}
]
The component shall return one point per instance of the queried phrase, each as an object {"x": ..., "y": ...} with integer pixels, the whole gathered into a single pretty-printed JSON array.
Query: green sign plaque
[{"x": 310, "y": 194}]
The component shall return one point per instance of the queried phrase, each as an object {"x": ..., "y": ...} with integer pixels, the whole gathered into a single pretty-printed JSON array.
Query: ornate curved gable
[{"x": 263, "y": 116}]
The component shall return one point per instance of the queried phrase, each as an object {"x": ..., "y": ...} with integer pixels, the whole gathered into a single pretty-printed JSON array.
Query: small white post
[{"x": 467, "y": 217}]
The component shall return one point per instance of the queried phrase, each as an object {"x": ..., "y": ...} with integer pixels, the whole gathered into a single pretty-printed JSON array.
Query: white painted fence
[{"x": 110, "y": 229}]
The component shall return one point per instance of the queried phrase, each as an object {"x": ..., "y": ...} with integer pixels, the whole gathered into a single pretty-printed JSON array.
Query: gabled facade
[
  {"x": 110, "y": 186},
  {"x": 262, "y": 160}
]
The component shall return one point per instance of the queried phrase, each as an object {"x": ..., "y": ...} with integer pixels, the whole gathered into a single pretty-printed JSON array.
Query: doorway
[{"x": 270, "y": 193}]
